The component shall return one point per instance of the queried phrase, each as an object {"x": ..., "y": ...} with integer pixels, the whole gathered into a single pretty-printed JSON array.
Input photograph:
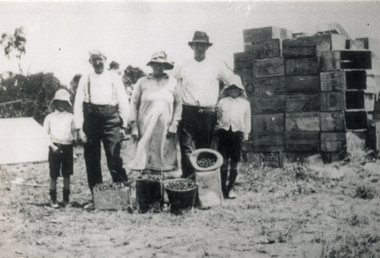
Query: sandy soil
[{"x": 330, "y": 211}]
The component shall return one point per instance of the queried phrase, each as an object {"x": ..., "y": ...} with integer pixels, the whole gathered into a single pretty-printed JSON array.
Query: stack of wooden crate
[{"x": 308, "y": 94}]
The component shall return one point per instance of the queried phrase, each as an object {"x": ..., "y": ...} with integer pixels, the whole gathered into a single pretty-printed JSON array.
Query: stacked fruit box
[{"x": 308, "y": 94}]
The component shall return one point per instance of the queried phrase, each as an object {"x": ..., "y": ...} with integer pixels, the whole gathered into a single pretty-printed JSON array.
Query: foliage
[
  {"x": 114, "y": 66},
  {"x": 131, "y": 75},
  {"x": 36, "y": 91},
  {"x": 74, "y": 86},
  {"x": 16, "y": 43}
]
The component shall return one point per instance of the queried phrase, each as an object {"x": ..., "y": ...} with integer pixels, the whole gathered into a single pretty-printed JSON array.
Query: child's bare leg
[
  {"x": 53, "y": 193},
  {"x": 66, "y": 190}
]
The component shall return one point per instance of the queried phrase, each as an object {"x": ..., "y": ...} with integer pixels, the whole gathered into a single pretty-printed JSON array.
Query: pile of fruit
[
  {"x": 149, "y": 178},
  {"x": 107, "y": 187},
  {"x": 206, "y": 162},
  {"x": 181, "y": 185}
]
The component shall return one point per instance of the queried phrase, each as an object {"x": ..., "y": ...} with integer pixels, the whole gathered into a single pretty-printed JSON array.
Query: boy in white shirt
[
  {"x": 60, "y": 127},
  {"x": 234, "y": 114}
]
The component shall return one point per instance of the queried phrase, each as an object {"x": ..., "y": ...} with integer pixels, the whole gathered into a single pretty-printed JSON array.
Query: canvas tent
[{"x": 22, "y": 140}]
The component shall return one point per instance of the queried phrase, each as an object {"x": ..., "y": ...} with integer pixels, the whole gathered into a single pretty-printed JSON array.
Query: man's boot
[
  {"x": 66, "y": 194},
  {"x": 53, "y": 198}
]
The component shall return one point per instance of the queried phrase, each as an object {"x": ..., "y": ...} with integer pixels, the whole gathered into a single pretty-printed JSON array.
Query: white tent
[{"x": 22, "y": 140}]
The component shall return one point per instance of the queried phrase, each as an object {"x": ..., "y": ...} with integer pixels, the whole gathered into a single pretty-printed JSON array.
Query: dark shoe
[{"x": 66, "y": 194}]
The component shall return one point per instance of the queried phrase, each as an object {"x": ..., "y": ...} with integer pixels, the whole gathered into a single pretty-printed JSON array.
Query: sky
[{"x": 61, "y": 34}]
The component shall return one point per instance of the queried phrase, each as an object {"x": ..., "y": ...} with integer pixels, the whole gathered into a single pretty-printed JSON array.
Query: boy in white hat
[
  {"x": 234, "y": 114},
  {"x": 61, "y": 128}
]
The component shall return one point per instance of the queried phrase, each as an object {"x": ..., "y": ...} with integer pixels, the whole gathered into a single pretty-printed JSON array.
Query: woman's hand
[
  {"x": 135, "y": 131},
  {"x": 80, "y": 136},
  {"x": 172, "y": 130}
]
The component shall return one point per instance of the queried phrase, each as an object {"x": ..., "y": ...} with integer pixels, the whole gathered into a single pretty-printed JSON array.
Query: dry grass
[{"x": 289, "y": 212}]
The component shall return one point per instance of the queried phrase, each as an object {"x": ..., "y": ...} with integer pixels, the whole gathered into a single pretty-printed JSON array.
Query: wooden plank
[
  {"x": 302, "y": 141},
  {"x": 265, "y": 143},
  {"x": 264, "y": 124},
  {"x": 355, "y": 100},
  {"x": 269, "y": 86},
  {"x": 343, "y": 80},
  {"x": 307, "y": 102},
  {"x": 305, "y": 121},
  {"x": 265, "y": 33},
  {"x": 268, "y": 67},
  {"x": 298, "y": 48},
  {"x": 333, "y": 142},
  {"x": 356, "y": 120},
  {"x": 302, "y": 83},
  {"x": 301, "y": 66},
  {"x": 337, "y": 60},
  {"x": 265, "y": 49},
  {"x": 265, "y": 159},
  {"x": 373, "y": 142},
  {"x": 333, "y": 101},
  {"x": 332, "y": 121},
  {"x": 272, "y": 105}
]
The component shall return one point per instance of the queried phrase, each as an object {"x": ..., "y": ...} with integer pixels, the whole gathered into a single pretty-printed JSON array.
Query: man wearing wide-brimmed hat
[
  {"x": 101, "y": 112},
  {"x": 199, "y": 79}
]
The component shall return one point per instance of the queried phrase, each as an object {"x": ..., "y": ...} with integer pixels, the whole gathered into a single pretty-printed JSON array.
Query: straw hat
[
  {"x": 161, "y": 58},
  {"x": 200, "y": 37},
  {"x": 234, "y": 81},
  {"x": 62, "y": 95}
]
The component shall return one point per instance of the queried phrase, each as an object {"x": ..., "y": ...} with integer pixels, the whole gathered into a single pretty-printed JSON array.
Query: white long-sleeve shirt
[
  {"x": 199, "y": 81},
  {"x": 60, "y": 127},
  {"x": 106, "y": 89},
  {"x": 235, "y": 113}
]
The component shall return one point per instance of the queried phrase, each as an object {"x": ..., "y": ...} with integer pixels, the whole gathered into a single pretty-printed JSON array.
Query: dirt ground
[{"x": 296, "y": 211}]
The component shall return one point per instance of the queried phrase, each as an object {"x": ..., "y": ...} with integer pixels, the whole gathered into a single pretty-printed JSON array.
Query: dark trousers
[
  {"x": 102, "y": 124},
  {"x": 62, "y": 160},
  {"x": 230, "y": 144},
  {"x": 195, "y": 132}
]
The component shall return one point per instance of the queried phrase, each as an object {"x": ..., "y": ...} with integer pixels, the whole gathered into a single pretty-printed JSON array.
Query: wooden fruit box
[
  {"x": 265, "y": 143},
  {"x": 265, "y": 159},
  {"x": 246, "y": 78},
  {"x": 326, "y": 42},
  {"x": 271, "y": 123},
  {"x": 265, "y": 33},
  {"x": 270, "y": 105},
  {"x": 268, "y": 67},
  {"x": 330, "y": 157},
  {"x": 112, "y": 199},
  {"x": 355, "y": 100},
  {"x": 269, "y": 86},
  {"x": 356, "y": 120},
  {"x": 302, "y": 66},
  {"x": 332, "y": 121},
  {"x": 343, "y": 80},
  {"x": 304, "y": 121},
  {"x": 262, "y": 50},
  {"x": 339, "y": 59},
  {"x": 307, "y": 102},
  {"x": 333, "y": 142},
  {"x": 298, "y": 48},
  {"x": 302, "y": 83},
  {"x": 302, "y": 141},
  {"x": 333, "y": 101}
]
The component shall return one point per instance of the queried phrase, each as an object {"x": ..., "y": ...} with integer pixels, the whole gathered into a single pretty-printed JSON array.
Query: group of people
[{"x": 162, "y": 109}]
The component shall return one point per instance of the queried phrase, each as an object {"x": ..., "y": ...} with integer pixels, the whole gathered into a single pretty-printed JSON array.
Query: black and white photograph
[{"x": 189, "y": 129}]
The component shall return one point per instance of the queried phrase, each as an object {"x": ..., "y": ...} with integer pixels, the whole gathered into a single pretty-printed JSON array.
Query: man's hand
[
  {"x": 80, "y": 136},
  {"x": 54, "y": 149}
]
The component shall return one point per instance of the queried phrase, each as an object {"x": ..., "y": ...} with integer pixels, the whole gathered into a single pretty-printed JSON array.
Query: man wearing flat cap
[
  {"x": 199, "y": 79},
  {"x": 101, "y": 113}
]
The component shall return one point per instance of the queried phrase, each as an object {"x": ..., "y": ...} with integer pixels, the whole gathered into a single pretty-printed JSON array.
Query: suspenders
[{"x": 89, "y": 90}]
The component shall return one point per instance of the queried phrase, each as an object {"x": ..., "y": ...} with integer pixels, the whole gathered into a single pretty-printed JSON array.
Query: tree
[
  {"x": 14, "y": 43},
  {"x": 74, "y": 86},
  {"x": 36, "y": 91},
  {"x": 114, "y": 66},
  {"x": 130, "y": 77}
]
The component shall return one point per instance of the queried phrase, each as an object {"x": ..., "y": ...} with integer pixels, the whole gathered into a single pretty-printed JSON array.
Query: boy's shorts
[{"x": 62, "y": 161}]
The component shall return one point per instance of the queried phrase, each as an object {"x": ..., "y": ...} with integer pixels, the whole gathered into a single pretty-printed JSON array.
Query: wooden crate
[
  {"x": 333, "y": 142},
  {"x": 265, "y": 33},
  {"x": 337, "y": 60},
  {"x": 330, "y": 157},
  {"x": 265, "y": 159},
  {"x": 343, "y": 80},
  {"x": 112, "y": 199},
  {"x": 307, "y": 102},
  {"x": 301, "y": 66},
  {"x": 355, "y": 100},
  {"x": 265, "y": 143},
  {"x": 373, "y": 142},
  {"x": 332, "y": 121},
  {"x": 356, "y": 120},
  {"x": 269, "y": 86},
  {"x": 265, "y": 49},
  {"x": 333, "y": 101},
  {"x": 264, "y": 124},
  {"x": 302, "y": 141},
  {"x": 247, "y": 79},
  {"x": 298, "y": 48},
  {"x": 272, "y": 105},
  {"x": 268, "y": 67},
  {"x": 302, "y": 83},
  {"x": 304, "y": 121}
]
